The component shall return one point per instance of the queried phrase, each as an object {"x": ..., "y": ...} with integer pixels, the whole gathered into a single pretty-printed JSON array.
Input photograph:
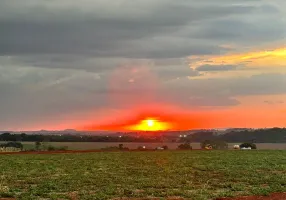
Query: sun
[{"x": 150, "y": 124}]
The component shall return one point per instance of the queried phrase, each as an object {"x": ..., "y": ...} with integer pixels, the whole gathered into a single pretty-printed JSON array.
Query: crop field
[{"x": 196, "y": 175}]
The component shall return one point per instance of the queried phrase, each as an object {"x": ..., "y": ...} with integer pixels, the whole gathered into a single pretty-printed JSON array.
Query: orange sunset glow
[
  {"x": 167, "y": 117},
  {"x": 150, "y": 118}
]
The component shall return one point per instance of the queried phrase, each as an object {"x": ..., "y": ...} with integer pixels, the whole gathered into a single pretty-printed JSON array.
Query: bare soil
[
  {"x": 275, "y": 196},
  {"x": 7, "y": 199},
  {"x": 151, "y": 198}
]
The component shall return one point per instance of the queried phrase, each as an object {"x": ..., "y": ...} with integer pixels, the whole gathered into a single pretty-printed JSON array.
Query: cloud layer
[{"x": 60, "y": 60}]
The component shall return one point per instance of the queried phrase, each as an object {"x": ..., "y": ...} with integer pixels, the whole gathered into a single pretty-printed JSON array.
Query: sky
[{"x": 97, "y": 64}]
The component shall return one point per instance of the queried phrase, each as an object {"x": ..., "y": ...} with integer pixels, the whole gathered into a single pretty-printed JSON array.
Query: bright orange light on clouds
[
  {"x": 247, "y": 63},
  {"x": 269, "y": 58},
  {"x": 150, "y": 124}
]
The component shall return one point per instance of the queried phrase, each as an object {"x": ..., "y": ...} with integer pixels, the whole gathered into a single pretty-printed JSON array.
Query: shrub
[
  {"x": 9, "y": 149},
  {"x": 247, "y": 145},
  {"x": 141, "y": 148},
  {"x": 38, "y": 145},
  {"x": 17, "y": 145},
  {"x": 214, "y": 144},
  {"x": 165, "y": 147},
  {"x": 111, "y": 148},
  {"x": 121, "y": 147},
  {"x": 63, "y": 148},
  {"x": 185, "y": 146},
  {"x": 115, "y": 148},
  {"x": 51, "y": 148}
]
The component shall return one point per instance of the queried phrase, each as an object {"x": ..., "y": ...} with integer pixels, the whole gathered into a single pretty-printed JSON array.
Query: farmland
[
  {"x": 133, "y": 145},
  {"x": 199, "y": 175}
]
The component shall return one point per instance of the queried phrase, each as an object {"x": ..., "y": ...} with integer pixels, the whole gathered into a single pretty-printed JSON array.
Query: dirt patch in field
[
  {"x": 7, "y": 199},
  {"x": 72, "y": 195},
  {"x": 151, "y": 198},
  {"x": 275, "y": 196}
]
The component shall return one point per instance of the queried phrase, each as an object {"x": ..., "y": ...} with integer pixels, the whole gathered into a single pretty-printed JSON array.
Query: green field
[{"x": 197, "y": 175}]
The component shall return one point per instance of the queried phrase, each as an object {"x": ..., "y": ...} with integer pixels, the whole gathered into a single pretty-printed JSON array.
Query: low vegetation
[
  {"x": 120, "y": 147},
  {"x": 16, "y": 145},
  {"x": 185, "y": 146},
  {"x": 248, "y": 145},
  {"x": 199, "y": 175},
  {"x": 214, "y": 144}
]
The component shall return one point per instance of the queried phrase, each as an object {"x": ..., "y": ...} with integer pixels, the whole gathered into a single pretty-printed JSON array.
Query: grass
[{"x": 199, "y": 175}]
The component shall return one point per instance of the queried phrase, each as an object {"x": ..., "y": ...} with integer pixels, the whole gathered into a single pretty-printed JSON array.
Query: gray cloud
[
  {"x": 243, "y": 31},
  {"x": 102, "y": 29},
  {"x": 211, "y": 101},
  {"x": 105, "y": 29},
  {"x": 262, "y": 84}
]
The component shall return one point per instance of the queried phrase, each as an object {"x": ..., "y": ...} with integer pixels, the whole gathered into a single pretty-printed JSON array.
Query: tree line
[
  {"x": 74, "y": 138},
  {"x": 274, "y": 135}
]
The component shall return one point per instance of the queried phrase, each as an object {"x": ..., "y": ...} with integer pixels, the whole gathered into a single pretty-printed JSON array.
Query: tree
[
  {"x": 51, "y": 148},
  {"x": 17, "y": 145},
  {"x": 247, "y": 145},
  {"x": 6, "y": 137},
  {"x": 23, "y": 136},
  {"x": 38, "y": 145},
  {"x": 165, "y": 147},
  {"x": 141, "y": 148},
  {"x": 214, "y": 144}
]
